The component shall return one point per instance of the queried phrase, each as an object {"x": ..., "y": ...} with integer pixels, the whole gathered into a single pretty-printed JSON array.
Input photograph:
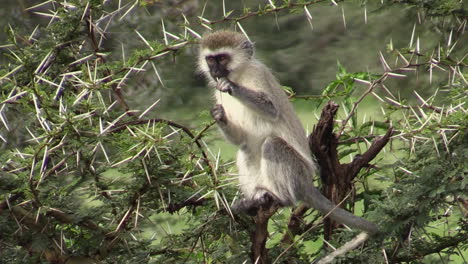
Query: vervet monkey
[{"x": 254, "y": 113}]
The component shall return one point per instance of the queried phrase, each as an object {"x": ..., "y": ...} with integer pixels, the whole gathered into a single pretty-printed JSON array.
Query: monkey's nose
[
  {"x": 219, "y": 73},
  {"x": 216, "y": 74}
]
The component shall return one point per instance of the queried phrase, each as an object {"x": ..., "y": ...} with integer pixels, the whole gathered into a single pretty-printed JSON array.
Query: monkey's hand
[
  {"x": 219, "y": 114},
  {"x": 226, "y": 86}
]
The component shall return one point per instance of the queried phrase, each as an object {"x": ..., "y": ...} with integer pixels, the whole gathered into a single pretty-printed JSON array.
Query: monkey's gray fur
[{"x": 274, "y": 160}]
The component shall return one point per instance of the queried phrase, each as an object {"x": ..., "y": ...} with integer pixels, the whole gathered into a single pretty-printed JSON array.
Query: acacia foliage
[{"x": 86, "y": 177}]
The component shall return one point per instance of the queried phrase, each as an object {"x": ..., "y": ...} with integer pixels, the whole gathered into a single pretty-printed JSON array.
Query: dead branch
[
  {"x": 259, "y": 253},
  {"x": 363, "y": 160},
  {"x": 192, "y": 202},
  {"x": 336, "y": 177}
]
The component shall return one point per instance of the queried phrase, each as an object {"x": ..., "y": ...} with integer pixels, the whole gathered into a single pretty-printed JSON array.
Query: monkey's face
[
  {"x": 223, "y": 53},
  {"x": 222, "y": 62},
  {"x": 218, "y": 65}
]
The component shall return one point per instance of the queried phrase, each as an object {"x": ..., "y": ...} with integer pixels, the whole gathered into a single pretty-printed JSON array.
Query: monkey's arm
[
  {"x": 233, "y": 133},
  {"x": 257, "y": 101}
]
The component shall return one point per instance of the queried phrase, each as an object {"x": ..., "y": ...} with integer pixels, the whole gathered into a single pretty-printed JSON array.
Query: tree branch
[
  {"x": 194, "y": 201},
  {"x": 363, "y": 160},
  {"x": 259, "y": 253},
  {"x": 420, "y": 250},
  {"x": 271, "y": 10},
  {"x": 336, "y": 177},
  {"x": 350, "y": 245}
]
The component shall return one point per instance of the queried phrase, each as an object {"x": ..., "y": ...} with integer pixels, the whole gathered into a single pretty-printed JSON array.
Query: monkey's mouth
[{"x": 219, "y": 73}]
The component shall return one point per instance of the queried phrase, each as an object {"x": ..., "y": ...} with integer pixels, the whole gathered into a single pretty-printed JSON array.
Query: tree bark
[{"x": 259, "y": 253}]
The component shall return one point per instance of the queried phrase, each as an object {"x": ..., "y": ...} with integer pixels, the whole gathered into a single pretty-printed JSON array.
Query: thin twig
[{"x": 348, "y": 246}]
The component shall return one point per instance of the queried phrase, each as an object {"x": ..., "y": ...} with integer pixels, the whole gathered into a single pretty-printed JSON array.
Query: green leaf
[
  {"x": 375, "y": 124},
  {"x": 341, "y": 70}
]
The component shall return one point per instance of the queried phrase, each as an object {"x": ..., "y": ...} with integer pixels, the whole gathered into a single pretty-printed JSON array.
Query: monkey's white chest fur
[
  {"x": 254, "y": 130},
  {"x": 253, "y": 127}
]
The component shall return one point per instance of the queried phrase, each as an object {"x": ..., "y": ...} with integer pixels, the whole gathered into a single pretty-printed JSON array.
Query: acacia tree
[{"x": 87, "y": 178}]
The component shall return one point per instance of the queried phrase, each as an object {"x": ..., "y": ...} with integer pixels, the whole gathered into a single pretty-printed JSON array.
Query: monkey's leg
[
  {"x": 233, "y": 133},
  {"x": 274, "y": 180},
  {"x": 255, "y": 195},
  {"x": 257, "y": 101},
  {"x": 284, "y": 170}
]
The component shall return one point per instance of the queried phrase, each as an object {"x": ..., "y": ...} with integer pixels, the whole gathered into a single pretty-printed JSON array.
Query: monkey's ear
[{"x": 248, "y": 47}]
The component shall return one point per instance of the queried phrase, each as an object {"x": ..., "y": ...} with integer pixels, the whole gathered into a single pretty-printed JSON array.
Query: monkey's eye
[
  {"x": 210, "y": 60},
  {"x": 223, "y": 59}
]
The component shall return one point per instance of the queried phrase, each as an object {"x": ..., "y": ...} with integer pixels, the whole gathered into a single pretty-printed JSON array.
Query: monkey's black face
[{"x": 218, "y": 65}]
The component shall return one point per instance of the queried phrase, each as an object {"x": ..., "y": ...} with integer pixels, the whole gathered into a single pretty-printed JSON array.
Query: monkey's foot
[
  {"x": 251, "y": 206},
  {"x": 247, "y": 206}
]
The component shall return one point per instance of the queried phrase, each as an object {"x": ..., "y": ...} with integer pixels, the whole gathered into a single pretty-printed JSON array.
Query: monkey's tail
[{"x": 316, "y": 200}]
